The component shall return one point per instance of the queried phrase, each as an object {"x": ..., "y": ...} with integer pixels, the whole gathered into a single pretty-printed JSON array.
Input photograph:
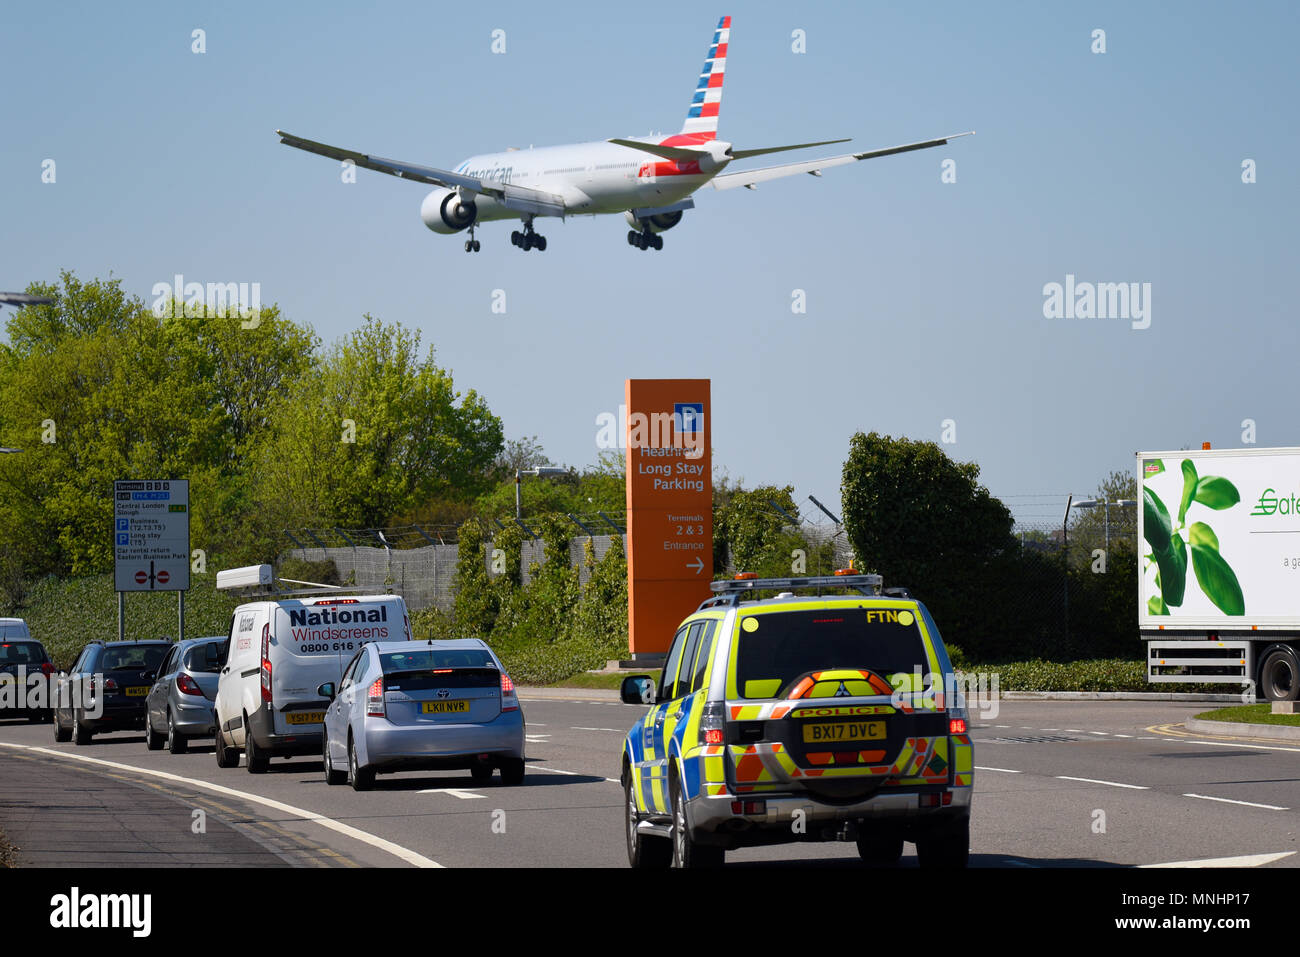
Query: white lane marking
[
  {"x": 1075, "y": 731},
  {"x": 536, "y": 738},
  {"x": 404, "y": 853},
  {"x": 579, "y": 774},
  {"x": 1002, "y": 726},
  {"x": 1266, "y": 807},
  {"x": 1003, "y": 770},
  {"x": 615, "y": 730},
  {"x": 1118, "y": 735},
  {"x": 1229, "y": 744},
  {"x": 1246, "y": 860},
  {"x": 1099, "y": 732},
  {"x": 456, "y": 792},
  {"x": 1025, "y": 727},
  {"x": 1114, "y": 784}
]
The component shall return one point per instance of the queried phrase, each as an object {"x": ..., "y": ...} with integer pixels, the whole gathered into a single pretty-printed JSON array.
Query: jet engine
[
  {"x": 446, "y": 211},
  {"x": 657, "y": 223}
]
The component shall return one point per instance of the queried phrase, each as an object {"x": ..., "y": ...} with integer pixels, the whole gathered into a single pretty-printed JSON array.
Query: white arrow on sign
[
  {"x": 463, "y": 795},
  {"x": 698, "y": 565}
]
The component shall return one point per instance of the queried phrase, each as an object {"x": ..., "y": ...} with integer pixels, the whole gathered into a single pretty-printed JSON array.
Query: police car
[{"x": 803, "y": 717}]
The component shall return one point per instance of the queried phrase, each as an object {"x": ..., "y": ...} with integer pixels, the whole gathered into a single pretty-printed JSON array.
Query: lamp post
[
  {"x": 540, "y": 470},
  {"x": 1105, "y": 504}
]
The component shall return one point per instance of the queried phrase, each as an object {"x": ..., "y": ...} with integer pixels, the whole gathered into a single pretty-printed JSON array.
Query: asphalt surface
[{"x": 1058, "y": 784}]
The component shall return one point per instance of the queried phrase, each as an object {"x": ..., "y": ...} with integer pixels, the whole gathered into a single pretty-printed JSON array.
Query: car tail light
[
  {"x": 957, "y": 726},
  {"x": 266, "y": 663},
  {"x": 375, "y": 700},
  {"x": 47, "y": 669},
  {"x": 188, "y": 685},
  {"x": 713, "y": 719},
  {"x": 109, "y": 685},
  {"x": 508, "y": 700}
]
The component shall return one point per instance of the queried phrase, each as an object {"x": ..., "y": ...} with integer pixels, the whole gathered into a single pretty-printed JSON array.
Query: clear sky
[{"x": 924, "y": 299}]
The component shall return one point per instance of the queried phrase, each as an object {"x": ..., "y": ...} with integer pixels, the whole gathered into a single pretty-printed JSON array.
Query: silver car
[
  {"x": 180, "y": 703},
  {"x": 423, "y": 705}
]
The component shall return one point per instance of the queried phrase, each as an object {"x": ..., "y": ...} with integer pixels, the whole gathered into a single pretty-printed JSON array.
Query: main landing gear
[
  {"x": 471, "y": 244},
  {"x": 528, "y": 239},
  {"x": 644, "y": 239}
]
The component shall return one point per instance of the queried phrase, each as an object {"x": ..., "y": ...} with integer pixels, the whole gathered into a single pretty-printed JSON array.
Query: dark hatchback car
[
  {"x": 20, "y": 659},
  {"x": 106, "y": 689}
]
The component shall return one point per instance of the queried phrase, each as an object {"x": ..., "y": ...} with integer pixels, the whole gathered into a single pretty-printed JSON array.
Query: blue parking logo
[
  {"x": 688, "y": 417},
  {"x": 123, "y": 525},
  {"x": 123, "y": 539}
]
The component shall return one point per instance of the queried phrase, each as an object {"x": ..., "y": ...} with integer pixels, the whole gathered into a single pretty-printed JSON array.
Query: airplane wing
[
  {"x": 23, "y": 299},
  {"x": 519, "y": 198},
  {"x": 814, "y": 167}
]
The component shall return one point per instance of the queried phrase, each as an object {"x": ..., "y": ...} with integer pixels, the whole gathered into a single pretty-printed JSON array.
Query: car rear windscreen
[
  {"x": 774, "y": 649},
  {"x": 434, "y": 659},
  {"x": 138, "y": 658},
  {"x": 21, "y": 653},
  {"x": 204, "y": 659}
]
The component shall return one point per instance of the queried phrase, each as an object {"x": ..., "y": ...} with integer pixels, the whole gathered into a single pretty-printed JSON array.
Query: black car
[
  {"x": 20, "y": 660},
  {"x": 106, "y": 689}
]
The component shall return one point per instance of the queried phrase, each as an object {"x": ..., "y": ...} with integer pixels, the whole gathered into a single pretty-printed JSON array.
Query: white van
[{"x": 279, "y": 652}]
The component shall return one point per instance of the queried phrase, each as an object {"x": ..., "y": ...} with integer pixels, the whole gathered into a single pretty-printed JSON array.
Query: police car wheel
[
  {"x": 686, "y": 852},
  {"x": 643, "y": 850},
  {"x": 945, "y": 848},
  {"x": 879, "y": 851}
]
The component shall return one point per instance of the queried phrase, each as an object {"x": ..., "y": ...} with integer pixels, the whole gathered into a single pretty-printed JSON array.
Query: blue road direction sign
[{"x": 151, "y": 535}]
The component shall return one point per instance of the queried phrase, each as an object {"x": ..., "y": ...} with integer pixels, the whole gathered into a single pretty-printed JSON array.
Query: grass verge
[
  {"x": 1251, "y": 714},
  {"x": 8, "y": 853}
]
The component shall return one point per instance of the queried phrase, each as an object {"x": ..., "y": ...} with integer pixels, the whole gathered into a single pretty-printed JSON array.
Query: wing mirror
[
  {"x": 327, "y": 690},
  {"x": 638, "y": 689}
]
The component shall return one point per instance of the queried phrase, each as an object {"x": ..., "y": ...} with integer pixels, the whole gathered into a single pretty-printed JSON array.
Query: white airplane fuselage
[{"x": 592, "y": 178}]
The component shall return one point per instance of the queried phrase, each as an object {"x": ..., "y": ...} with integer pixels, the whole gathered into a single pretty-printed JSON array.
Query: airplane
[{"x": 650, "y": 180}]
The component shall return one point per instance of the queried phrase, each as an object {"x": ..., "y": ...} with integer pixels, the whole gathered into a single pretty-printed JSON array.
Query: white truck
[{"x": 1219, "y": 568}]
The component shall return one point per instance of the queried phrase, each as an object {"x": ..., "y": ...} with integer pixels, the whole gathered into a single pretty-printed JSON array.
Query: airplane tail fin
[{"x": 702, "y": 117}]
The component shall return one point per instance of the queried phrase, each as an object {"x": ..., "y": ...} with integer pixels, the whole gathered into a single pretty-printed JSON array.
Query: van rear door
[{"x": 312, "y": 641}]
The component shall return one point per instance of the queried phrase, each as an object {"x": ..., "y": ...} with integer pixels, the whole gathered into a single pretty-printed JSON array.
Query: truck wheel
[
  {"x": 643, "y": 850},
  {"x": 945, "y": 848},
  {"x": 1279, "y": 675},
  {"x": 686, "y": 852}
]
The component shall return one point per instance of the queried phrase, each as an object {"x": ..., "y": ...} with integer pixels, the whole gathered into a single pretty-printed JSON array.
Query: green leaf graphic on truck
[{"x": 1170, "y": 549}]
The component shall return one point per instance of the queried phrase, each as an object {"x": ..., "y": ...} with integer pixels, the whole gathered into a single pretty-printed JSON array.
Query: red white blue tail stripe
[{"x": 702, "y": 117}]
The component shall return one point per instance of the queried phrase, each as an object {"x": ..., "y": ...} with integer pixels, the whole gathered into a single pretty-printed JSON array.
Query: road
[{"x": 1059, "y": 784}]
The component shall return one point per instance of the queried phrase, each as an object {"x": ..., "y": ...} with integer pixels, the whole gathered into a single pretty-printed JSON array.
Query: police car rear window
[{"x": 775, "y": 649}]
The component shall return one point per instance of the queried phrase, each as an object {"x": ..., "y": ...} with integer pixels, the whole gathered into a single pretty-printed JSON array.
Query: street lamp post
[
  {"x": 539, "y": 471},
  {"x": 1105, "y": 504}
]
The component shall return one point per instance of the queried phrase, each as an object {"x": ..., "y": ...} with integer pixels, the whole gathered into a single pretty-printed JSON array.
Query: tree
[
  {"x": 923, "y": 521},
  {"x": 374, "y": 433},
  {"x": 1091, "y": 528}
]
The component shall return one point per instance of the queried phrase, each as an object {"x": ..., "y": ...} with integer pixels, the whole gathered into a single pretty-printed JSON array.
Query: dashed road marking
[
  {"x": 1003, "y": 770},
  {"x": 577, "y": 774},
  {"x": 454, "y": 792},
  {"x": 1113, "y": 784},
  {"x": 1266, "y": 807},
  {"x": 615, "y": 730}
]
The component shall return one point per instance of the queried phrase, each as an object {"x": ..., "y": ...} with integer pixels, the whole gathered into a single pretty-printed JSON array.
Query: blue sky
[{"x": 924, "y": 298}]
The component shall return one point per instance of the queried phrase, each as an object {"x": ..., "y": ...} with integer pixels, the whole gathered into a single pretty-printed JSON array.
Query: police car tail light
[
  {"x": 508, "y": 700},
  {"x": 266, "y": 663},
  {"x": 375, "y": 700},
  {"x": 188, "y": 685},
  {"x": 957, "y": 726},
  {"x": 713, "y": 720}
]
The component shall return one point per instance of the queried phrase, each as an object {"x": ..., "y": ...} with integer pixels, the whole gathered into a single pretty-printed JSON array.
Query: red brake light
[
  {"x": 47, "y": 669},
  {"x": 508, "y": 700},
  {"x": 266, "y": 663},
  {"x": 375, "y": 699},
  {"x": 188, "y": 685},
  {"x": 336, "y": 601},
  {"x": 110, "y": 684},
  {"x": 957, "y": 726}
]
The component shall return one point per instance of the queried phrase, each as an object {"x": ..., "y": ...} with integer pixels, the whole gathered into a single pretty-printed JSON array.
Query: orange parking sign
[{"x": 669, "y": 507}]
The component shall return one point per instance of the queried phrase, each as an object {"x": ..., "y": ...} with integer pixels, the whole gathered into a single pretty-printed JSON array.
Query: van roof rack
[
  {"x": 258, "y": 581},
  {"x": 729, "y": 591}
]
